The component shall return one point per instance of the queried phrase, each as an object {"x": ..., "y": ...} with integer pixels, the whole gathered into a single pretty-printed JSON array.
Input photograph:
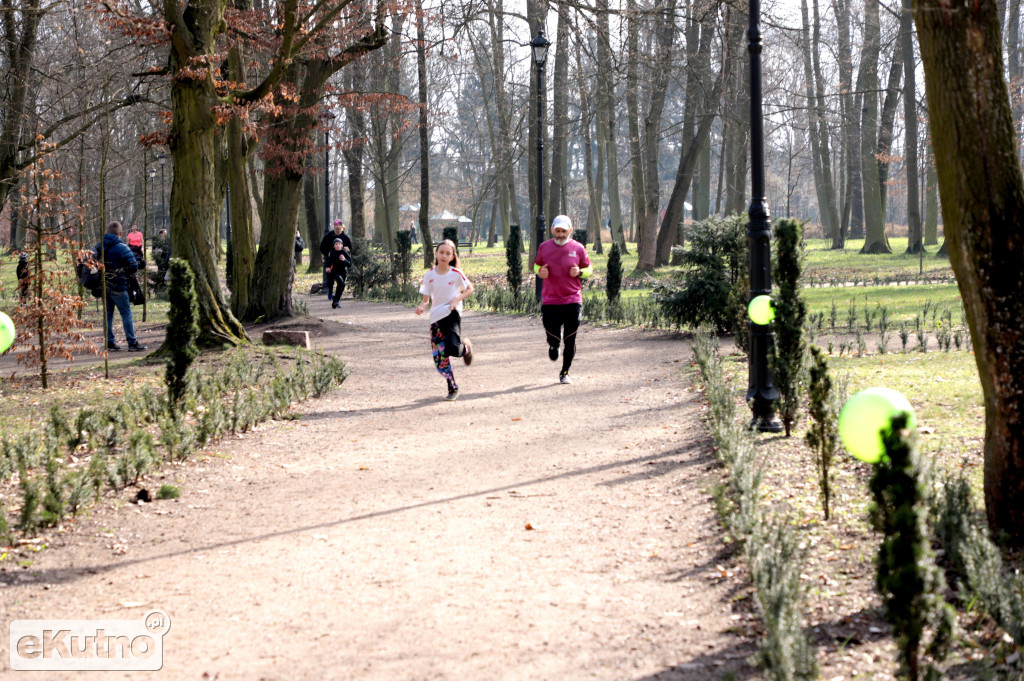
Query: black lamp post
[
  {"x": 540, "y": 45},
  {"x": 761, "y": 392},
  {"x": 326, "y": 117}
]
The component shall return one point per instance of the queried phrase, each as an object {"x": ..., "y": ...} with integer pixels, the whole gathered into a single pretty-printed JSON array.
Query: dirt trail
[{"x": 385, "y": 534}]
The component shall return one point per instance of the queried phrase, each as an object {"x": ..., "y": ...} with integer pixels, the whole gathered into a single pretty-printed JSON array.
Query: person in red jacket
[{"x": 562, "y": 264}]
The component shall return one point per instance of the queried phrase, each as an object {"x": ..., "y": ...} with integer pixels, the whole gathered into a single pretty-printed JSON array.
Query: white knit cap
[{"x": 562, "y": 221}]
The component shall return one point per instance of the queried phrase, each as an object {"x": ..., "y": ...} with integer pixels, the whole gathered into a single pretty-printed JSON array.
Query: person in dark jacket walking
[
  {"x": 337, "y": 269},
  {"x": 300, "y": 245},
  {"x": 327, "y": 245},
  {"x": 119, "y": 262},
  {"x": 22, "y": 274}
]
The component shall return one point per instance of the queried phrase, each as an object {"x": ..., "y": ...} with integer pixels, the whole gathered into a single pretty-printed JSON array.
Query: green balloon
[
  {"x": 865, "y": 416},
  {"x": 7, "y": 332},
  {"x": 761, "y": 310}
]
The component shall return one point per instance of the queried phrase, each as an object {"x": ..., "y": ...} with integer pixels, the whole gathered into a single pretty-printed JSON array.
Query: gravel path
[{"x": 529, "y": 530}]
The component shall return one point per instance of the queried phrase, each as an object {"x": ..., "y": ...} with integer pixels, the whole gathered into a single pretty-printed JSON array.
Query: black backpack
[{"x": 90, "y": 276}]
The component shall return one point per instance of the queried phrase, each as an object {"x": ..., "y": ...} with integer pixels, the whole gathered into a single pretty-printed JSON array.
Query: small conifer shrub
[
  {"x": 182, "y": 331},
  {"x": 514, "y": 260}
]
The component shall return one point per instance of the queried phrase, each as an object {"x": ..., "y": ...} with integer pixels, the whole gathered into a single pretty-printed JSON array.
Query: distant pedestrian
[
  {"x": 327, "y": 245},
  {"x": 446, "y": 287},
  {"x": 135, "y": 243},
  {"x": 562, "y": 264},
  {"x": 300, "y": 246},
  {"x": 413, "y": 238},
  {"x": 23, "y": 277},
  {"x": 338, "y": 261}
]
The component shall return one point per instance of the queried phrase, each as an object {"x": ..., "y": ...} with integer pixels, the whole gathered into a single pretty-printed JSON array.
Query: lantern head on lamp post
[{"x": 539, "y": 46}]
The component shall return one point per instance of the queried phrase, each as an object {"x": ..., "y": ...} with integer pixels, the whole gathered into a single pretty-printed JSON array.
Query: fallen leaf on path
[
  {"x": 518, "y": 418},
  {"x": 529, "y": 526},
  {"x": 364, "y": 468}
]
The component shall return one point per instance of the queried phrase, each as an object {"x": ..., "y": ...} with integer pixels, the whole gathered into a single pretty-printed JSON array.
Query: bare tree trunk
[
  {"x": 983, "y": 203},
  {"x": 633, "y": 58},
  {"x": 664, "y": 34},
  {"x": 830, "y": 210},
  {"x": 931, "y": 205},
  {"x": 421, "y": 71},
  {"x": 915, "y": 240},
  {"x": 850, "y": 122},
  {"x": 886, "y": 124},
  {"x": 593, "y": 192},
  {"x": 738, "y": 127},
  {"x": 817, "y": 157},
  {"x": 355, "y": 152},
  {"x": 560, "y": 116},
  {"x": 874, "y": 226},
  {"x": 694, "y": 141},
  {"x": 314, "y": 206},
  {"x": 606, "y": 123}
]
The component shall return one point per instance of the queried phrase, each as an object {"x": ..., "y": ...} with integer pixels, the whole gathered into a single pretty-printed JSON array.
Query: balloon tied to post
[
  {"x": 761, "y": 310},
  {"x": 866, "y": 416},
  {"x": 7, "y": 332}
]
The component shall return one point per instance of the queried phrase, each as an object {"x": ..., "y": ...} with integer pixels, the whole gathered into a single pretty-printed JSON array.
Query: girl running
[{"x": 447, "y": 287}]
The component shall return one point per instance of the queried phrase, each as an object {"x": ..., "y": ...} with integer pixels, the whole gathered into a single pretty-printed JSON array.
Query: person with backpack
[{"x": 118, "y": 264}]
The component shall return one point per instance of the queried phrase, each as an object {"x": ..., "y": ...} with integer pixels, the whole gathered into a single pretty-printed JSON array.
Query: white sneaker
[{"x": 564, "y": 379}]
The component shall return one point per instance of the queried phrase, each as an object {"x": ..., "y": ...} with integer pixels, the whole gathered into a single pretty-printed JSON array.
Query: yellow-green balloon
[
  {"x": 865, "y": 416},
  {"x": 7, "y": 332},
  {"x": 761, "y": 310}
]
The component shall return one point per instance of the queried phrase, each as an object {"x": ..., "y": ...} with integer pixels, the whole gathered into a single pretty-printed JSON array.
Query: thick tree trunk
[
  {"x": 983, "y": 213},
  {"x": 272, "y": 283},
  {"x": 874, "y": 226},
  {"x": 195, "y": 207}
]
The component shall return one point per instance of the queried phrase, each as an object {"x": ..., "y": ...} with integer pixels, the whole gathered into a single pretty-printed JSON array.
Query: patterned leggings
[{"x": 441, "y": 360}]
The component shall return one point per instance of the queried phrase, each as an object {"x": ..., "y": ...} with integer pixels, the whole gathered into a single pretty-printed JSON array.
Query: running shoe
[
  {"x": 452, "y": 395},
  {"x": 467, "y": 357},
  {"x": 564, "y": 379},
  {"x": 553, "y": 352}
]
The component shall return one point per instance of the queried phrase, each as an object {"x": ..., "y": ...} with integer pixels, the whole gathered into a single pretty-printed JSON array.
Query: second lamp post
[{"x": 539, "y": 45}]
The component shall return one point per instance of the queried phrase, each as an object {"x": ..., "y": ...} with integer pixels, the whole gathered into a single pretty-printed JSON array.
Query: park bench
[{"x": 466, "y": 245}]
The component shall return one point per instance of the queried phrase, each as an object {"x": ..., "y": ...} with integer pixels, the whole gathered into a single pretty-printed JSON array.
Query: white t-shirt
[{"x": 443, "y": 289}]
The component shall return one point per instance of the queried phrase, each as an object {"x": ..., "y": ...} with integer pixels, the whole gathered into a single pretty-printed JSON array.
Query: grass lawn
[
  {"x": 849, "y": 263},
  {"x": 903, "y": 303}
]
